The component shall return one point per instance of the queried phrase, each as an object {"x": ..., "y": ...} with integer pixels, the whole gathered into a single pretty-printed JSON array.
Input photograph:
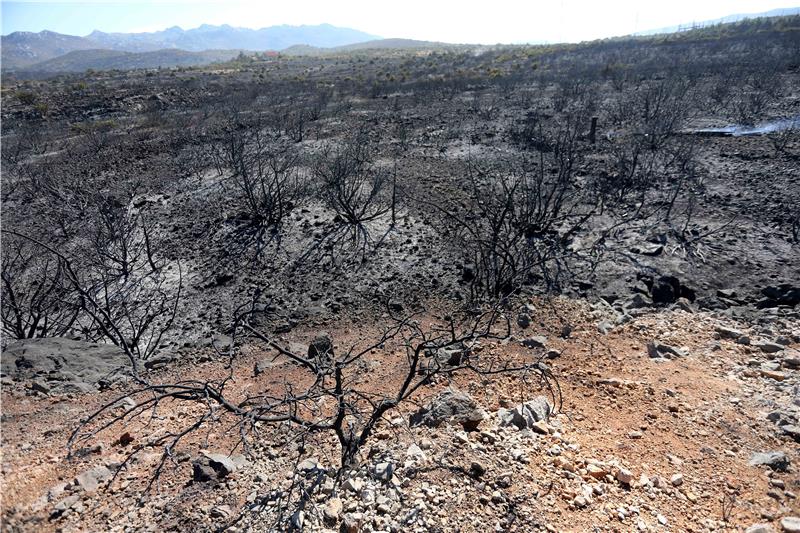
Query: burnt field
[{"x": 195, "y": 217}]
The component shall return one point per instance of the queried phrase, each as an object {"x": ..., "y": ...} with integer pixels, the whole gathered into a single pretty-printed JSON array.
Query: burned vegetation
[{"x": 203, "y": 226}]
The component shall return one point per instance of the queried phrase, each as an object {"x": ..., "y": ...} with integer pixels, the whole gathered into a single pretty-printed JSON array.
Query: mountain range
[{"x": 28, "y": 50}]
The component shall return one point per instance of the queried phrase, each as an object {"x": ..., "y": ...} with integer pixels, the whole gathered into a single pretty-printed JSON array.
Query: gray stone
[
  {"x": 415, "y": 453},
  {"x": 262, "y": 366},
  {"x": 685, "y": 305},
  {"x": 791, "y": 358},
  {"x": 222, "y": 465},
  {"x": 297, "y": 520},
  {"x": 384, "y": 471},
  {"x": 605, "y": 327},
  {"x": 526, "y": 415},
  {"x": 222, "y": 343},
  {"x": 540, "y": 408},
  {"x": 39, "y": 385},
  {"x": 638, "y": 301},
  {"x": 535, "y": 342},
  {"x": 792, "y": 431},
  {"x": 368, "y": 496},
  {"x": 769, "y": 347},
  {"x": 449, "y": 356},
  {"x": 91, "y": 479},
  {"x": 353, "y": 484},
  {"x": 159, "y": 361},
  {"x": 658, "y": 350},
  {"x": 450, "y": 404},
  {"x": 321, "y": 347},
  {"x": 728, "y": 333},
  {"x": 775, "y": 460},
  {"x": 65, "y": 504},
  {"x": 308, "y": 465},
  {"x": 352, "y": 522}
]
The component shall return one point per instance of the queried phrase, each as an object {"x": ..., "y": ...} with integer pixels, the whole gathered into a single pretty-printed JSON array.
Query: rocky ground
[
  {"x": 679, "y": 420},
  {"x": 671, "y": 321}
]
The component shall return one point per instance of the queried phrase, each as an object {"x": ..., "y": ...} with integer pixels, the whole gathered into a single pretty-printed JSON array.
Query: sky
[{"x": 465, "y": 21}]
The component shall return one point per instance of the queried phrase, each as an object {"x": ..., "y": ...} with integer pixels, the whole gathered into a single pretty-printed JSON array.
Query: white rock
[
  {"x": 353, "y": 484},
  {"x": 790, "y": 524},
  {"x": 624, "y": 476},
  {"x": 368, "y": 496},
  {"x": 759, "y": 528}
]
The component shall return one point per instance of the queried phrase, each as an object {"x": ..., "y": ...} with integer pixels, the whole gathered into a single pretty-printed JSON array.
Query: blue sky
[{"x": 444, "y": 20}]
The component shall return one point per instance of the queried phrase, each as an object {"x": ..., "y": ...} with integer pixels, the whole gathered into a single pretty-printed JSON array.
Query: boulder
[
  {"x": 783, "y": 294},
  {"x": 728, "y": 333},
  {"x": 477, "y": 470},
  {"x": 792, "y": 431},
  {"x": 790, "y": 524},
  {"x": 667, "y": 290},
  {"x": 321, "y": 348},
  {"x": 452, "y": 356},
  {"x": 526, "y": 415},
  {"x": 91, "y": 479},
  {"x": 216, "y": 466},
  {"x": 535, "y": 342},
  {"x": 711, "y": 303},
  {"x": 159, "y": 361},
  {"x": 769, "y": 347},
  {"x": 638, "y": 301},
  {"x": 791, "y": 358},
  {"x": 775, "y": 460},
  {"x": 61, "y": 366},
  {"x": 657, "y": 350},
  {"x": 450, "y": 405},
  {"x": 383, "y": 471}
]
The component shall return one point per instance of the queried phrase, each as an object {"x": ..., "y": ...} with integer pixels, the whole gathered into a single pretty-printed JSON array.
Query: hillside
[
  {"x": 376, "y": 44},
  {"x": 82, "y": 60},
  {"x": 446, "y": 289}
]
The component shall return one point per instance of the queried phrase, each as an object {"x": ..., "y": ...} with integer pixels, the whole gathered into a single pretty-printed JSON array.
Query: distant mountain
[
  {"x": 226, "y": 37},
  {"x": 24, "y": 49},
  {"x": 783, "y": 12},
  {"x": 376, "y": 44},
  {"x": 82, "y": 60}
]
